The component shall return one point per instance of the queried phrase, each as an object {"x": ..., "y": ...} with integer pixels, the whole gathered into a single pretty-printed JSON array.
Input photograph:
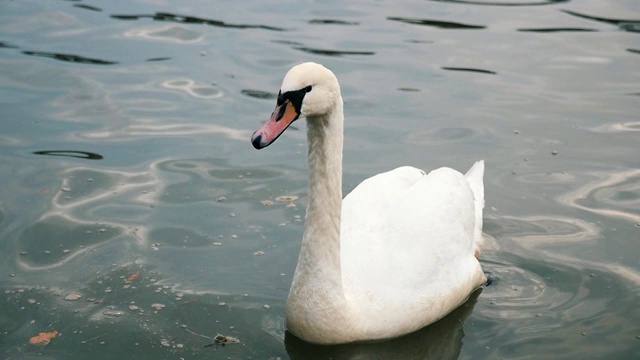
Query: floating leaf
[
  {"x": 43, "y": 338},
  {"x": 133, "y": 277}
]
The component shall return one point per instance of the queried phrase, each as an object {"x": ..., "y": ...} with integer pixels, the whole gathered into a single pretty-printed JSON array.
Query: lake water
[{"x": 138, "y": 222}]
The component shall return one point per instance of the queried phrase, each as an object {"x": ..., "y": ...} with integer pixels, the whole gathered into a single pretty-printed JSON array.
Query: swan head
[{"x": 309, "y": 90}]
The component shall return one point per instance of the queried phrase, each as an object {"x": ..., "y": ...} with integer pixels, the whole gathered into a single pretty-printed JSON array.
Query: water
[{"x": 128, "y": 177}]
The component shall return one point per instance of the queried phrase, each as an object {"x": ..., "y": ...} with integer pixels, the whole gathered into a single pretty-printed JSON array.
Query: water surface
[{"x": 128, "y": 176}]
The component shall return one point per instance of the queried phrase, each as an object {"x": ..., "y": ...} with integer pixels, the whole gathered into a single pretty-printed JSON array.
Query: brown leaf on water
[
  {"x": 43, "y": 338},
  {"x": 133, "y": 277}
]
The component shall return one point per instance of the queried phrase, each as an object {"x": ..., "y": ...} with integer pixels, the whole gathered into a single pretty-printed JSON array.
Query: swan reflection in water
[{"x": 440, "y": 340}]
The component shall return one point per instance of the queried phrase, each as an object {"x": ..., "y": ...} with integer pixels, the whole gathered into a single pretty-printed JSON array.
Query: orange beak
[{"x": 283, "y": 115}]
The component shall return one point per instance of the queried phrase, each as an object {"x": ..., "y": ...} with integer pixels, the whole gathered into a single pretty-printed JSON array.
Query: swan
[{"x": 398, "y": 253}]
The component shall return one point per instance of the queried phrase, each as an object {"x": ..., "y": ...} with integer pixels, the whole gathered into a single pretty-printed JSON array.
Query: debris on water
[
  {"x": 158, "y": 306},
  {"x": 73, "y": 296},
  {"x": 113, "y": 313},
  {"x": 92, "y": 339},
  {"x": 133, "y": 276},
  {"x": 286, "y": 198},
  {"x": 266, "y": 306},
  {"x": 234, "y": 236},
  {"x": 258, "y": 253},
  {"x": 222, "y": 303},
  {"x": 44, "y": 338},
  {"x": 221, "y": 199},
  {"x": 217, "y": 243},
  {"x": 266, "y": 202},
  {"x": 165, "y": 342},
  {"x": 31, "y": 301},
  {"x": 232, "y": 215},
  {"x": 223, "y": 340},
  {"x": 134, "y": 307},
  {"x": 554, "y": 152},
  {"x": 179, "y": 346}
]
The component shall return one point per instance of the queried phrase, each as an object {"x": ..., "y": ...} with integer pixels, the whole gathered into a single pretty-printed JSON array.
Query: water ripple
[
  {"x": 70, "y": 58},
  {"x": 87, "y": 7},
  {"x": 70, "y": 153},
  {"x": 625, "y": 25},
  {"x": 172, "y": 33},
  {"x": 436, "y": 23},
  {"x": 504, "y": 3},
  {"x": 328, "y": 52},
  {"x": 474, "y": 70},
  {"x": 185, "y": 19},
  {"x": 258, "y": 94},
  {"x": 557, "y": 30},
  {"x": 613, "y": 195},
  {"x": 332, "y": 22}
]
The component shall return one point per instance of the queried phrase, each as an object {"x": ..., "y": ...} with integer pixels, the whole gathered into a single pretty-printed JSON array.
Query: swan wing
[{"x": 408, "y": 237}]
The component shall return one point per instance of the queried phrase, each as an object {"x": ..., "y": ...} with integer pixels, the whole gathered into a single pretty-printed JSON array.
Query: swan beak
[{"x": 282, "y": 117}]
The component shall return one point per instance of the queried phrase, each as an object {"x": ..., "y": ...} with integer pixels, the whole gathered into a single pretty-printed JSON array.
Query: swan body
[{"x": 398, "y": 253}]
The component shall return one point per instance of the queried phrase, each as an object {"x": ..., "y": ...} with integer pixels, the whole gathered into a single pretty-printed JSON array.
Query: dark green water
[{"x": 128, "y": 177}]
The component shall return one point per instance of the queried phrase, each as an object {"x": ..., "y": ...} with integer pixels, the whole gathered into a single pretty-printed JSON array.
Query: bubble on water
[
  {"x": 286, "y": 198},
  {"x": 158, "y": 306}
]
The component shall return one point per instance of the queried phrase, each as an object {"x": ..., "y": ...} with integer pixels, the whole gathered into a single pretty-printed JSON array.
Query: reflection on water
[{"x": 612, "y": 194}]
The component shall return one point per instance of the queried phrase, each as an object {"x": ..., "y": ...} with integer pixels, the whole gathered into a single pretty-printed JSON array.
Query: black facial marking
[
  {"x": 294, "y": 96},
  {"x": 281, "y": 113}
]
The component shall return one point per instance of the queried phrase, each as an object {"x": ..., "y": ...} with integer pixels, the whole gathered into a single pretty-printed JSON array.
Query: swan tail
[{"x": 475, "y": 177}]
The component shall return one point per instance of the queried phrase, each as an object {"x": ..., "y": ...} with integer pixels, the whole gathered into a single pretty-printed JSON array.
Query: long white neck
[
  {"x": 318, "y": 276},
  {"x": 320, "y": 253}
]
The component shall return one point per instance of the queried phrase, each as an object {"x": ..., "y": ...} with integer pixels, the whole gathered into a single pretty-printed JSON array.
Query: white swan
[{"x": 398, "y": 253}]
